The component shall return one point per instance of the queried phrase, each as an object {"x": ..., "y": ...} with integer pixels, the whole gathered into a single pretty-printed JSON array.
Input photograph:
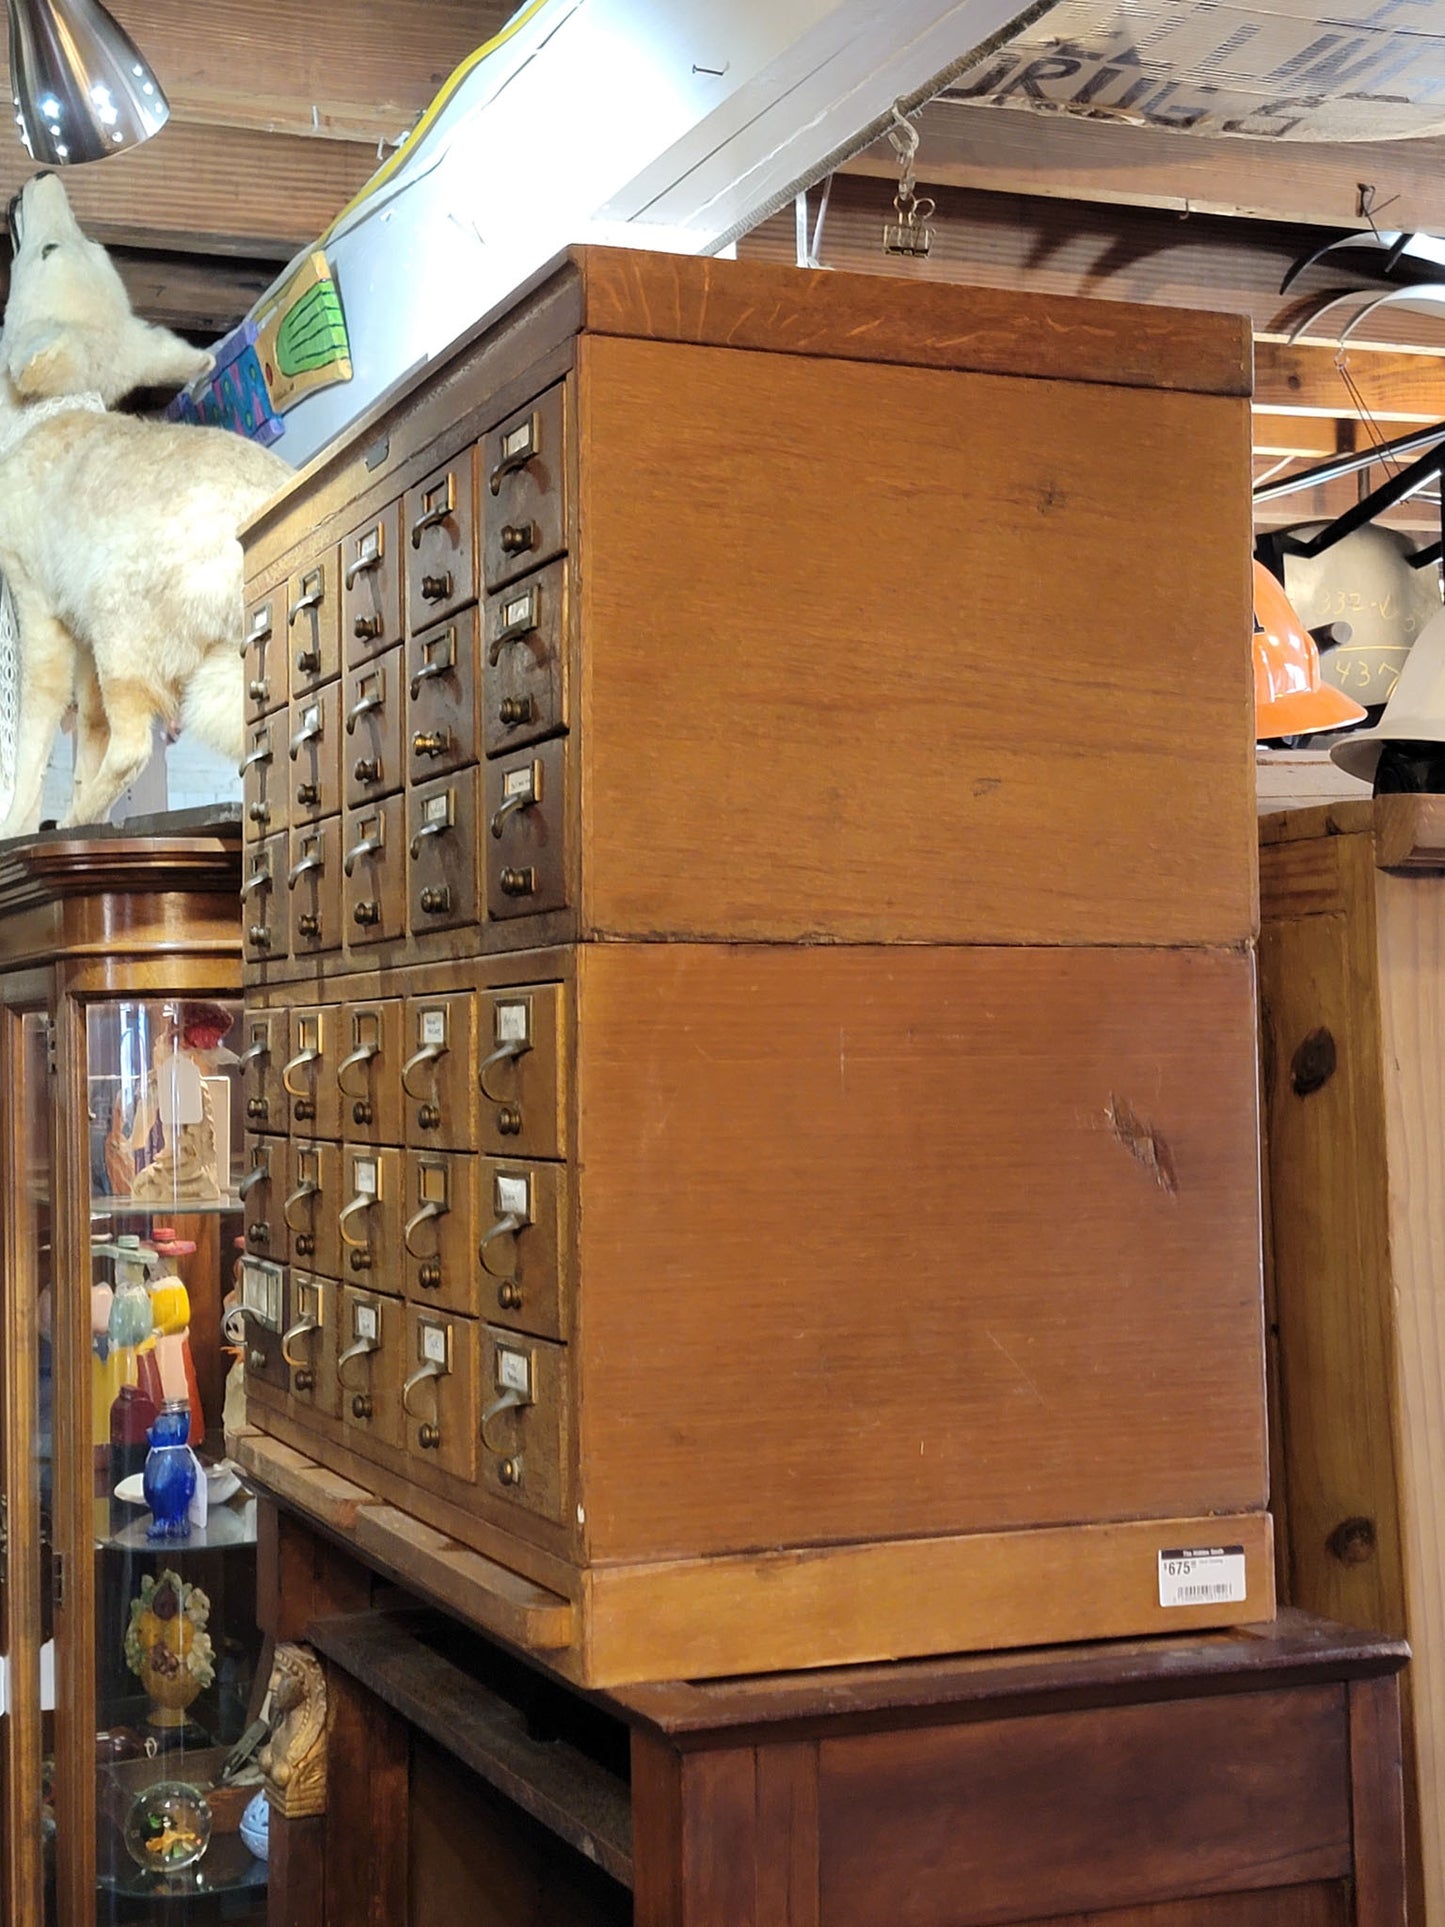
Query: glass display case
[{"x": 131, "y": 1649}]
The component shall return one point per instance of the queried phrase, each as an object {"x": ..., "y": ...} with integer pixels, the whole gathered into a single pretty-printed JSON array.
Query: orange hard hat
[{"x": 1291, "y": 698}]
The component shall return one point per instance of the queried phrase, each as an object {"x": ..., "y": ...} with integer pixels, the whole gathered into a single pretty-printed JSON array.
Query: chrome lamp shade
[{"x": 82, "y": 87}]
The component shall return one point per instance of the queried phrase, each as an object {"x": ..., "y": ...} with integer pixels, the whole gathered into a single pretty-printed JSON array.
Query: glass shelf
[
  {"x": 226, "y": 1525},
  {"x": 228, "y": 1866},
  {"x": 118, "y": 1206}
]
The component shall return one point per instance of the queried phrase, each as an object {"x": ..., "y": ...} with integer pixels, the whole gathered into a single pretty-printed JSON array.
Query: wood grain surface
[
  {"x": 878, "y": 620},
  {"x": 883, "y": 1241}
]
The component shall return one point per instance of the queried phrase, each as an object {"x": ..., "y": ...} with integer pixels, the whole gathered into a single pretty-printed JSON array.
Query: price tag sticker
[
  {"x": 433, "y": 1027},
  {"x": 1202, "y": 1576}
]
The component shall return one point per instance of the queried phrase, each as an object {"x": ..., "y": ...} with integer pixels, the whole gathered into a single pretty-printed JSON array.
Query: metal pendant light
[{"x": 82, "y": 88}]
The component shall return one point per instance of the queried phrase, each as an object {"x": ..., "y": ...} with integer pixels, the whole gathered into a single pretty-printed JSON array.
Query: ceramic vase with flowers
[{"x": 167, "y": 1646}]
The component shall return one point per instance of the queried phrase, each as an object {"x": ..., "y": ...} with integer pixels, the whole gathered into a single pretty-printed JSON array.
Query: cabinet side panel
[
  {"x": 1411, "y": 918},
  {"x": 886, "y": 653},
  {"x": 889, "y": 1242}
]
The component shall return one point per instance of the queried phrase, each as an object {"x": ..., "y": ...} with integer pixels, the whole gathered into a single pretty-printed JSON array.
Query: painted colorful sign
[{"x": 294, "y": 344}]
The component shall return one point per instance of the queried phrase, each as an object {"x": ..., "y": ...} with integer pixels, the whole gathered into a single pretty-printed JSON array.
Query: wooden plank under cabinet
[{"x": 1351, "y": 957}]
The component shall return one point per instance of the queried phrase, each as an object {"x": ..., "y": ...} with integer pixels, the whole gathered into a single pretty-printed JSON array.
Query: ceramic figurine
[{"x": 167, "y": 1646}]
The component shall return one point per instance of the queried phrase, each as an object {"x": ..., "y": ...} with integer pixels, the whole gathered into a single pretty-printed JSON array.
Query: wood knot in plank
[{"x": 1143, "y": 1143}]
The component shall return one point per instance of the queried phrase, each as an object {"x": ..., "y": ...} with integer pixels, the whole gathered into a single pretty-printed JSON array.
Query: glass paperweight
[{"x": 168, "y": 1827}]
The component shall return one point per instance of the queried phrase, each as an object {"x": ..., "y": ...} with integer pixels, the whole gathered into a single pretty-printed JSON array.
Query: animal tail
[{"x": 213, "y": 705}]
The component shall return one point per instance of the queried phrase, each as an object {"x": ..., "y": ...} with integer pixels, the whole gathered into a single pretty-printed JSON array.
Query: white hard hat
[{"x": 1415, "y": 713}]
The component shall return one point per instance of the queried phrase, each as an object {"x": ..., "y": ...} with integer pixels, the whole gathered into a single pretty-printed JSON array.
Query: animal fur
[{"x": 118, "y": 537}]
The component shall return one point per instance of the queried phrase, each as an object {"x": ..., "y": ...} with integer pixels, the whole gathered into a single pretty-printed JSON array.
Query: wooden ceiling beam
[
  {"x": 208, "y": 190},
  {"x": 349, "y": 70},
  {"x": 1008, "y": 150},
  {"x": 1381, "y": 386}
]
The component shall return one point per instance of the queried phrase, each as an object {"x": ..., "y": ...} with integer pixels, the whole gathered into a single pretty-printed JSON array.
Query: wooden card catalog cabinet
[{"x": 816, "y": 1212}]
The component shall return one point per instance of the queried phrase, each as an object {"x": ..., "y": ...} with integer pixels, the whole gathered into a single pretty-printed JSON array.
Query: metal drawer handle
[
  {"x": 508, "y": 1402},
  {"x": 298, "y": 1330},
  {"x": 432, "y": 519},
  {"x": 302, "y": 1192},
  {"x": 431, "y": 1369},
  {"x": 313, "y": 599},
  {"x": 515, "y": 1047},
  {"x": 362, "y": 1056},
  {"x": 510, "y": 805},
  {"x": 504, "y": 1227},
  {"x": 301, "y": 1057},
  {"x": 253, "y": 1053},
  {"x": 428, "y": 672},
  {"x": 428, "y": 1054},
  {"x": 362, "y": 1202},
  {"x": 426, "y": 830},
  {"x": 362, "y": 565},
  {"x": 258, "y": 880},
  {"x": 368, "y": 846},
  {"x": 361, "y": 1349},
  {"x": 311, "y": 861},
  {"x": 499, "y": 643},
  {"x": 260, "y": 754},
  {"x": 363, "y": 708},
  {"x": 431, "y": 1209},
  {"x": 253, "y": 1177},
  {"x": 309, "y": 732}
]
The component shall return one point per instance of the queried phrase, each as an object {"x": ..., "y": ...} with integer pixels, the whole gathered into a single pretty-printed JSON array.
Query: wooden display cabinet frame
[{"x": 84, "y": 918}]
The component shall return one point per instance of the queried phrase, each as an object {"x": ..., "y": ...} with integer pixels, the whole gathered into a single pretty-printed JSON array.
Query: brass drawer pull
[
  {"x": 368, "y": 846},
  {"x": 362, "y": 565},
  {"x": 508, "y": 1402},
  {"x": 428, "y": 1054},
  {"x": 432, "y": 518},
  {"x": 259, "y": 690},
  {"x": 431, "y": 742},
  {"x": 308, "y": 795},
  {"x": 431, "y": 1209},
  {"x": 427, "y": 672},
  {"x": 259, "y": 936},
  {"x": 518, "y": 537},
  {"x": 256, "y": 1174},
  {"x": 431, "y": 1369},
  {"x": 514, "y": 1047},
  {"x": 517, "y": 883},
  {"x": 509, "y": 807},
  {"x": 439, "y": 828},
  {"x": 259, "y": 812},
  {"x": 362, "y": 1202},
  {"x": 300, "y": 1329},
  {"x": 362, "y": 708},
  {"x": 515, "y": 710},
  {"x": 301, "y": 1057},
  {"x": 260, "y": 754},
  {"x": 363, "y": 1348},
  {"x": 258, "y": 880},
  {"x": 362, "y": 1056},
  {"x": 308, "y": 661},
  {"x": 436, "y": 903},
  {"x": 367, "y": 628},
  {"x": 302, "y": 1194},
  {"x": 436, "y": 588},
  {"x": 311, "y": 861},
  {"x": 253, "y": 1054},
  {"x": 367, "y": 769},
  {"x": 309, "y": 732},
  {"x": 505, "y": 1226},
  {"x": 312, "y": 599}
]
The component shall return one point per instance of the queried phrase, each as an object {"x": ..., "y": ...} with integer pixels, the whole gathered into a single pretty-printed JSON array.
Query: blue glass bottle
[{"x": 169, "y": 1480}]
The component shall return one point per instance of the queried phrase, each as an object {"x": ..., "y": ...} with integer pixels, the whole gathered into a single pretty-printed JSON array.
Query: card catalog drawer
[
  {"x": 439, "y": 1072},
  {"x": 374, "y": 706},
  {"x": 265, "y": 900},
  {"x": 313, "y": 625},
  {"x": 439, "y": 1391},
  {"x": 263, "y": 1054},
  {"x": 442, "y": 696},
  {"x": 314, "y": 751},
  {"x": 521, "y": 1077},
  {"x": 313, "y": 881},
  {"x": 522, "y": 1212},
  {"x": 440, "y": 1230},
  {"x": 524, "y": 670},
  {"x": 371, "y": 586},
  {"x": 443, "y": 853},
  {"x": 524, "y": 494},
  {"x": 372, "y": 1342},
  {"x": 308, "y": 1345},
  {"x": 523, "y": 1421},
  {"x": 526, "y": 842},
  {"x": 441, "y": 524},
  {"x": 368, "y": 1071},
  {"x": 313, "y": 1187},
  {"x": 374, "y": 869},
  {"x": 267, "y": 681}
]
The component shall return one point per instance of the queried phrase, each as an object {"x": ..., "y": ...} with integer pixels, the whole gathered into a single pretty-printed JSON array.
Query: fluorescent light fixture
[{"x": 82, "y": 88}]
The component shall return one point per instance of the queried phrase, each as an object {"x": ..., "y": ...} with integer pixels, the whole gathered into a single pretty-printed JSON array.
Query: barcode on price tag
[{"x": 1201, "y": 1576}]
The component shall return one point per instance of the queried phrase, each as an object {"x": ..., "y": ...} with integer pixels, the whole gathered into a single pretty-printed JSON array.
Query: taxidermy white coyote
[{"x": 117, "y": 536}]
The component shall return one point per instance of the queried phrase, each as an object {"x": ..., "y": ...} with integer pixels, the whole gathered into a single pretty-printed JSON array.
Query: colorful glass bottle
[{"x": 170, "y": 1473}]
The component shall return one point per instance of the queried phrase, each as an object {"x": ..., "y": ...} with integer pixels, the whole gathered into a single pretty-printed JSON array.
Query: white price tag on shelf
[{"x": 1202, "y": 1576}]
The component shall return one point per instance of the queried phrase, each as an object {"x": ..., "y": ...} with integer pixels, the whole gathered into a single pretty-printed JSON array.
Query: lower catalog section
[{"x": 676, "y": 1309}]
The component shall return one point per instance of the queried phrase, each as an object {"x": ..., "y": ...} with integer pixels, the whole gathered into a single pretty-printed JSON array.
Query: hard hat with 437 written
[{"x": 1291, "y": 698}]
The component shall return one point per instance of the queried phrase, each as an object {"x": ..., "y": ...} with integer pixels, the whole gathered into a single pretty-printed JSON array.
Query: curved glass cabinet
[{"x": 128, "y": 1595}]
